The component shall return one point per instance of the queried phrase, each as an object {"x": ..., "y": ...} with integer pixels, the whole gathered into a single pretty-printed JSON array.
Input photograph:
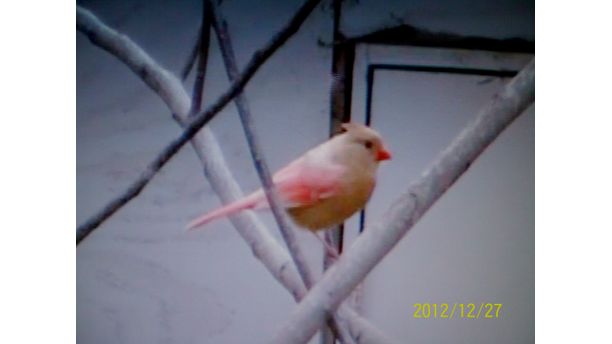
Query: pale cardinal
[{"x": 326, "y": 185}]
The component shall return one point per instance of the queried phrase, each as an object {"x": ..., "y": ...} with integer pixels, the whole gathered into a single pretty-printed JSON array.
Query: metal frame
[{"x": 370, "y": 78}]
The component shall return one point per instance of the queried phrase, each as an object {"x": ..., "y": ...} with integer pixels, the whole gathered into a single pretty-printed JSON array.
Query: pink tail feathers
[{"x": 254, "y": 201}]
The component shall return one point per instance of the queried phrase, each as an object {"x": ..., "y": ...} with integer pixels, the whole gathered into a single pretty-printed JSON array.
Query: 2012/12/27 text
[{"x": 483, "y": 310}]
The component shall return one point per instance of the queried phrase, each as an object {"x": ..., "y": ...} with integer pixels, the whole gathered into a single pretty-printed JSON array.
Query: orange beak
[{"x": 383, "y": 154}]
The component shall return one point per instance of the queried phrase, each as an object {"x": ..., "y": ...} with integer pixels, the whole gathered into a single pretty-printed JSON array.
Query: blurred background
[{"x": 141, "y": 278}]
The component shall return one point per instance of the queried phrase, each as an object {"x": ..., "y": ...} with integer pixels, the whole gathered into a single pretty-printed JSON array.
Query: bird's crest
[
  {"x": 359, "y": 130},
  {"x": 354, "y": 127}
]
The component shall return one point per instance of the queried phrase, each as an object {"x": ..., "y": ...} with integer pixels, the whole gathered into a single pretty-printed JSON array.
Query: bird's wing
[{"x": 305, "y": 182}]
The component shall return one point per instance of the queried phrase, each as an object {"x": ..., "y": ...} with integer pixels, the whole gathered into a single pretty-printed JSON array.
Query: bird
[{"x": 324, "y": 186}]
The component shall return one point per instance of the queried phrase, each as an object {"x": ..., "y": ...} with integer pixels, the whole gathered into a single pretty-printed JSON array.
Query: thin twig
[
  {"x": 375, "y": 242},
  {"x": 191, "y": 59},
  {"x": 109, "y": 39},
  {"x": 204, "y": 43},
  {"x": 287, "y": 231}
]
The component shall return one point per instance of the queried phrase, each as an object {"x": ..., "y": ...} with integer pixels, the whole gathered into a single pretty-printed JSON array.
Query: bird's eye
[{"x": 368, "y": 144}]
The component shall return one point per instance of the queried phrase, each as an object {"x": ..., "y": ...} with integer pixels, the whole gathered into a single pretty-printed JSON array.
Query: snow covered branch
[
  {"x": 377, "y": 240},
  {"x": 135, "y": 57}
]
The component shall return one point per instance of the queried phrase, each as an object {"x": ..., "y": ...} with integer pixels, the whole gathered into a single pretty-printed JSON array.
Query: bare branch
[
  {"x": 203, "y": 44},
  {"x": 135, "y": 58},
  {"x": 287, "y": 231},
  {"x": 377, "y": 240},
  {"x": 191, "y": 58},
  {"x": 261, "y": 166}
]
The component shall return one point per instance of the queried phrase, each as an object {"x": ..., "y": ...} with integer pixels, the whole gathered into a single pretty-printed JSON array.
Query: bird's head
[{"x": 366, "y": 139}]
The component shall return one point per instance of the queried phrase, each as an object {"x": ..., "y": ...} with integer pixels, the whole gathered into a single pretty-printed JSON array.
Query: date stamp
[{"x": 483, "y": 310}]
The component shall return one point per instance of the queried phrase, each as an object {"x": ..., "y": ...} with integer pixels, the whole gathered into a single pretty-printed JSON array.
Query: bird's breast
[{"x": 351, "y": 197}]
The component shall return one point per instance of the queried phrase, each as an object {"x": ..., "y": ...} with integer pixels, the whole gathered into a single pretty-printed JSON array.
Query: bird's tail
[{"x": 253, "y": 201}]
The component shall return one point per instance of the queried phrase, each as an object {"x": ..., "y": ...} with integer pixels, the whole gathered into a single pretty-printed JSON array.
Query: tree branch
[
  {"x": 193, "y": 55},
  {"x": 203, "y": 44},
  {"x": 261, "y": 166},
  {"x": 122, "y": 47},
  {"x": 287, "y": 231},
  {"x": 377, "y": 240}
]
